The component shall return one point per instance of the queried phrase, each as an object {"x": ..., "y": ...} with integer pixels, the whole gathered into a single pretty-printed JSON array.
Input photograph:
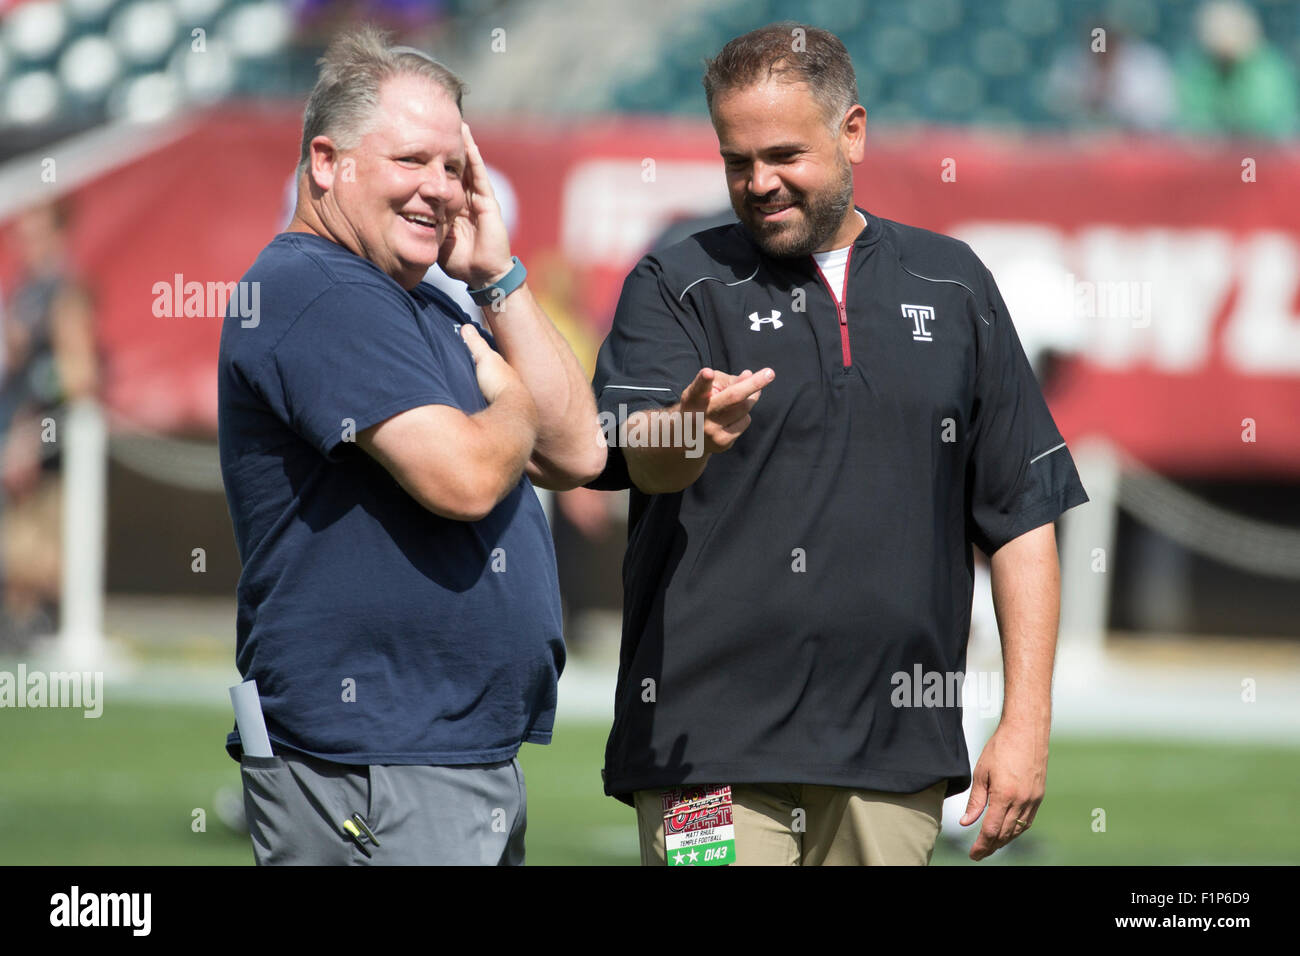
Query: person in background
[
  {"x": 50, "y": 360},
  {"x": 1235, "y": 83},
  {"x": 1127, "y": 85}
]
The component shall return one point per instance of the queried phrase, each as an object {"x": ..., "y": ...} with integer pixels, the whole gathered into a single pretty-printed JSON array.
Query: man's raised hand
[
  {"x": 724, "y": 401},
  {"x": 477, "y": 247}
]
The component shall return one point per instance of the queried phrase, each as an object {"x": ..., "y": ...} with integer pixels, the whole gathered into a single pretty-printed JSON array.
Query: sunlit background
[{"x": 1126, "y": 170}]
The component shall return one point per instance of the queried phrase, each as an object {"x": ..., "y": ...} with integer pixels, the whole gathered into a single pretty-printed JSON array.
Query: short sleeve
[
  {"x": 654, "y": 349},
  {"x": 1020, "y": 474},
  {"x": 355, "y": 357}
]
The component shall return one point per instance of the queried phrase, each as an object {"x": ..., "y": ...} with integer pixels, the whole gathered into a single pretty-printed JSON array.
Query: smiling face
[
  {"x": 788, "y": 173},
  {"x": 392, "y": 198}
]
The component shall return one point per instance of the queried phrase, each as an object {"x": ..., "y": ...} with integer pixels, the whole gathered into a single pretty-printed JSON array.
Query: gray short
[{"x": 297, "y": 805}]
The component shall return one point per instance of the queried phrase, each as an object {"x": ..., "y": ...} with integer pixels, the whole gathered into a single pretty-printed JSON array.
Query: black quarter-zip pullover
[{"x": 771, "y": 607}]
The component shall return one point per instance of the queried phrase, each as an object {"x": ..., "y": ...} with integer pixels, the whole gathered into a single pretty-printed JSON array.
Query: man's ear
[
  {"x": 323, "y": 163},
  {"x": 854, "y": 133}
]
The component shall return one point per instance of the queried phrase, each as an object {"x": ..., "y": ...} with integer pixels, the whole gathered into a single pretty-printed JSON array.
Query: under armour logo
[
  {"x": 774, "y": 320},
  {"x": 919, "y": 314}
]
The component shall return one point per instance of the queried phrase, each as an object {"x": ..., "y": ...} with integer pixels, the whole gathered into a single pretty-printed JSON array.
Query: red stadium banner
[{"x": 1169, "y": 271}]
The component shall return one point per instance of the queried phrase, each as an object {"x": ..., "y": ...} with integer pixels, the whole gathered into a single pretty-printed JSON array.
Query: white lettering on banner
[
  {"x": 1138, "y": 297},
  {"x": 1263, "y": 333},
  {"x": 1188, "y": 273},
  {"x": 610, "y": 215}
]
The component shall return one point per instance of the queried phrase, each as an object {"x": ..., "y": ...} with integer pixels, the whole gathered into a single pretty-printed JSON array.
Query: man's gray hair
[
  {"x": 352, "y": 71},
  {"x": 793, "y": 53}
]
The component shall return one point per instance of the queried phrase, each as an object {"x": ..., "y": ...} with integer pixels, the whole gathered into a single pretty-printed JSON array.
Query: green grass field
[{"x": 122, "y": 789}]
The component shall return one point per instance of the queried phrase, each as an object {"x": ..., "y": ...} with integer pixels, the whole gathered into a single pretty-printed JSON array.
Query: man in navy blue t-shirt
[{"x": 398, "y": 604}]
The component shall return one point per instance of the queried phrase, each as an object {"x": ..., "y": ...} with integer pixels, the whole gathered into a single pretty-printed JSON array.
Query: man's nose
[
  {"x": 438, "y": 184},
  {"x": 762, "y": 180}
]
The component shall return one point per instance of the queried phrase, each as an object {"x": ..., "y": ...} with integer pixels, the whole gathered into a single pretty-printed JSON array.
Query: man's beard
[{"x": 822, "y": 216}]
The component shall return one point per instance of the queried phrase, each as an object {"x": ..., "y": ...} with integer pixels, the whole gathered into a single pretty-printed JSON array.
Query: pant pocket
[{"x": 266, "y": 806}]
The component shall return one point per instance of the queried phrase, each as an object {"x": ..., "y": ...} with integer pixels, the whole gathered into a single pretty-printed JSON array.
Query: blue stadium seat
[
  {"x": 936, "y": 16},
  {"x": 1033, "y": 18}
]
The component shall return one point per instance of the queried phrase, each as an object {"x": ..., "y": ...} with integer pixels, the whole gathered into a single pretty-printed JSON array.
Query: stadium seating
[
  {"x": 942, "y": 61},
  {"x": 945, "y": 61}
]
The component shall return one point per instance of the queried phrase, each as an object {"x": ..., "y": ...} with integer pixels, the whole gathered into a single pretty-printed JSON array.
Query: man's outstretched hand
[
  {"x": 724, "y": 401},
  {"x": 720, "y": 403}
]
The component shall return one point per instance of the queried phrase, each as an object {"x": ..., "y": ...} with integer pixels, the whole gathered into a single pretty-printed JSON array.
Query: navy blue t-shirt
[{"x": 377, "y": 631}]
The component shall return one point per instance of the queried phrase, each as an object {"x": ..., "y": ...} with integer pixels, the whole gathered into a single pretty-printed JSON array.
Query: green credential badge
[{"x": 697, "y": 826}]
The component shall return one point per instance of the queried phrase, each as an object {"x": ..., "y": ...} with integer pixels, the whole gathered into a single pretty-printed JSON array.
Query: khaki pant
[{"x": 837, "y": 826}]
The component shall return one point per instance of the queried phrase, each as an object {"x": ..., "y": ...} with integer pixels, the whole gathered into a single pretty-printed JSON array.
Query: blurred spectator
[
  {"x": 1236, "y": 83},
  {"x": 50, "y": 359},
  {"x": 411, "y": 21},
  {"x": 1129, "y": 84}
]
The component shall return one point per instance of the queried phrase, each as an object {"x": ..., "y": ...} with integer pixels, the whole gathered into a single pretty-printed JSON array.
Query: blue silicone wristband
[{"x": 506, "y": 284}]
